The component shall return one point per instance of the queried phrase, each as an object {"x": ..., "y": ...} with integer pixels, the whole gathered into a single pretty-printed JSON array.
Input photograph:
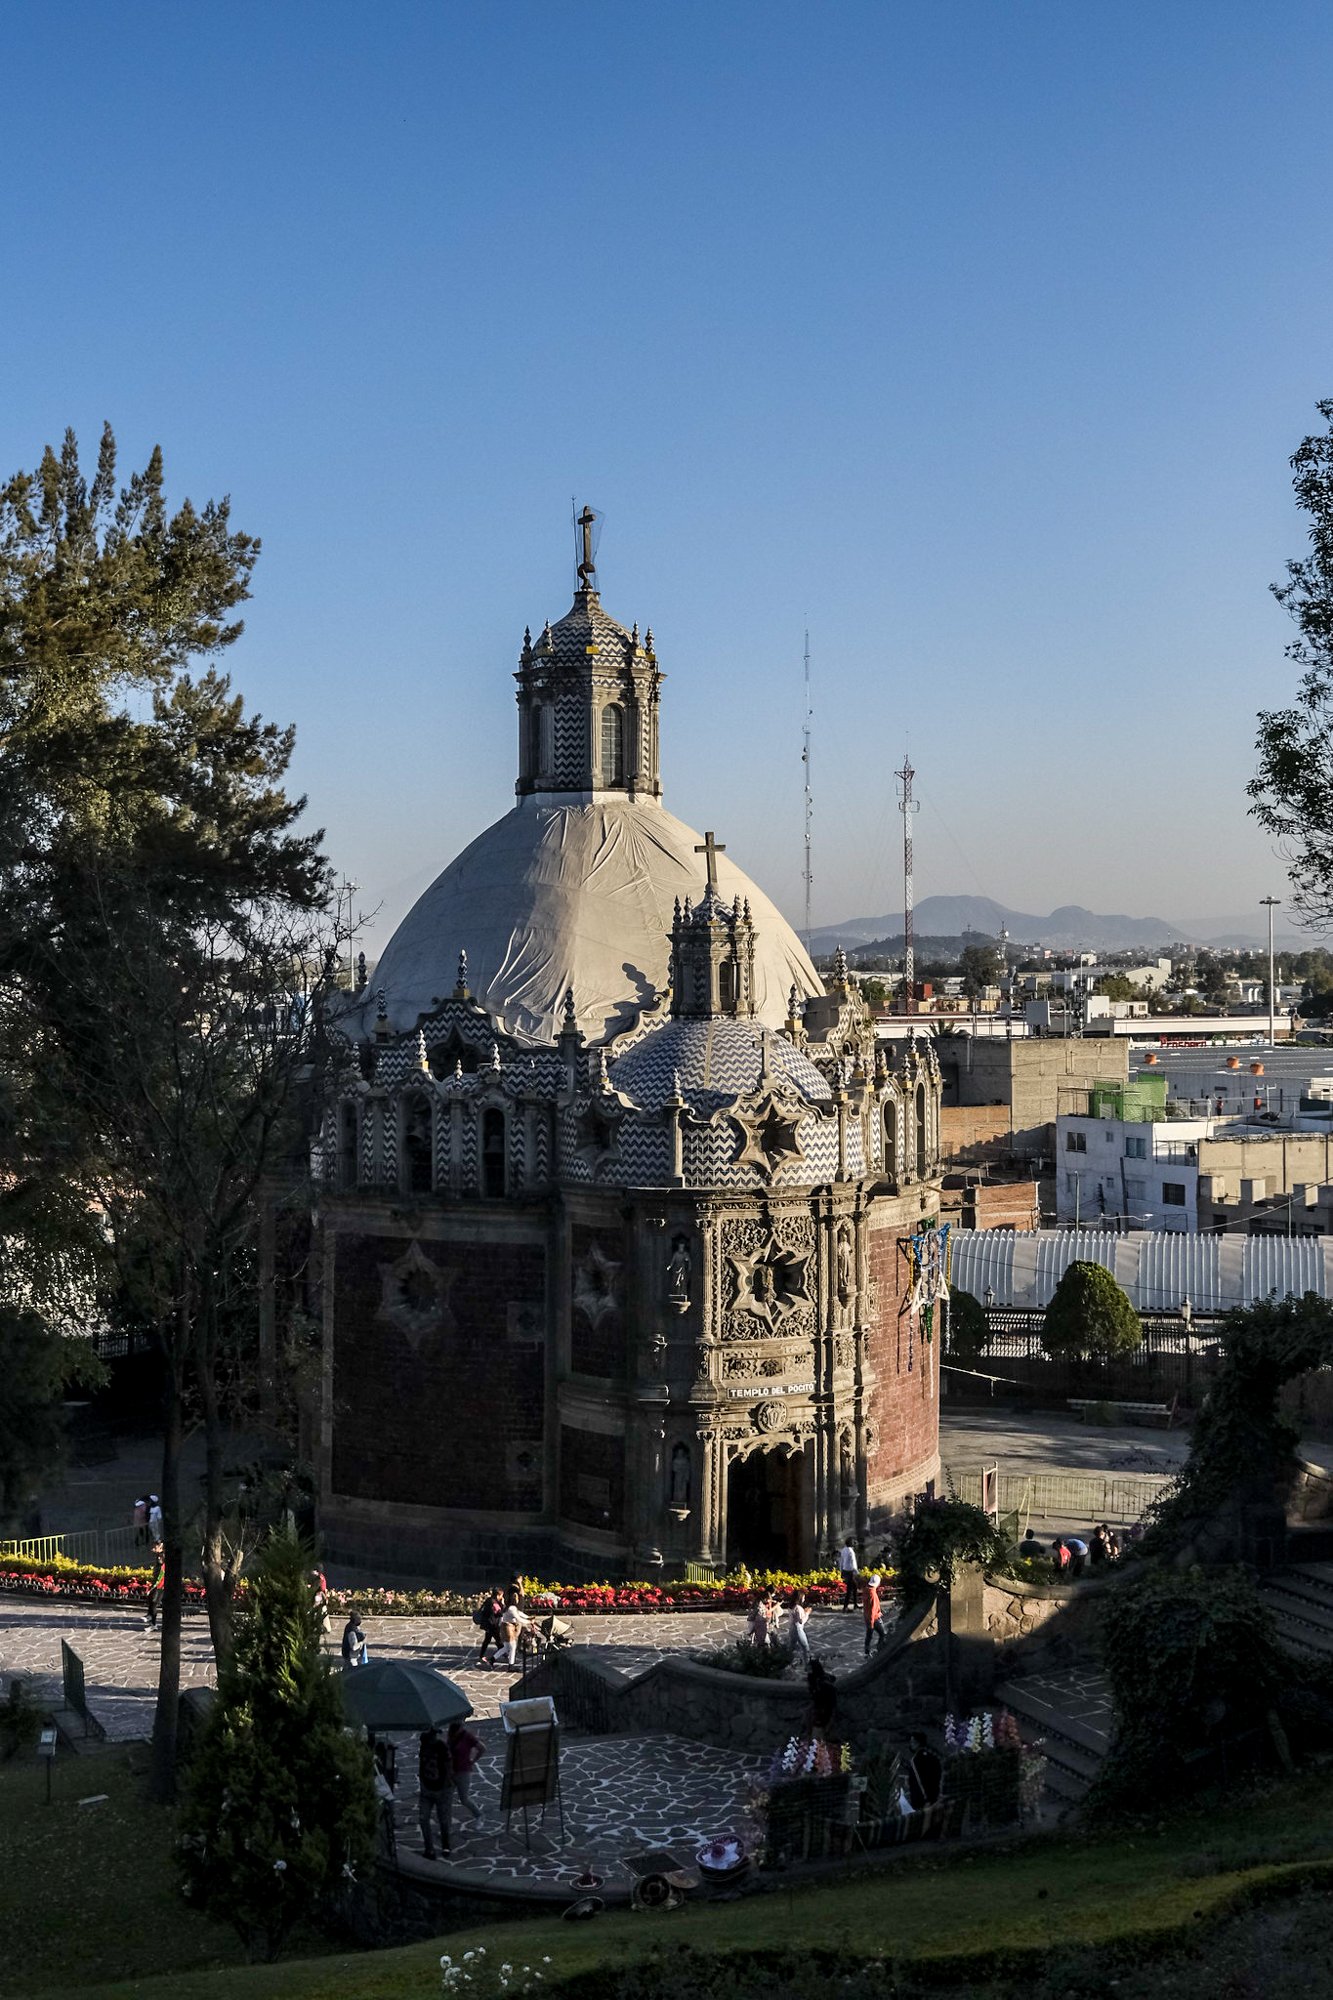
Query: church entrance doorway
[{"x": 769, "y": 1505}]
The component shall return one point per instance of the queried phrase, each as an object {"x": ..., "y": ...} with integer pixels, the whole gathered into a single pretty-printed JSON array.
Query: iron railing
[
  {"x": 1067, "y": 1497},
  {"x": 108, "y": 1547}
]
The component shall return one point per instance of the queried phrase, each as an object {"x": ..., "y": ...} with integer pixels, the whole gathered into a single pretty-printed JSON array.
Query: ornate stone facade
[{"x": 631, "y": 1301}]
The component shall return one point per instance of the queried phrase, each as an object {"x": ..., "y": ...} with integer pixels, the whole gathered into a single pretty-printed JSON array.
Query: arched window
[
  {"x": 493, "y": 1154},
  {"x": 613, "y": 744},
  {"x": 347, "y": 1164},
  {"x": 726, "y": 987},
  {"x": 921, "y": 1131},
  {"x": 891, "y": 1139},
  {"x": 417, "y": 1176}
]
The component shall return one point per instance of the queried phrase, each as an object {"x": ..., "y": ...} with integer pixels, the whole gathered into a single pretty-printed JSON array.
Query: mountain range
[{"x": 1070, "y": 928}]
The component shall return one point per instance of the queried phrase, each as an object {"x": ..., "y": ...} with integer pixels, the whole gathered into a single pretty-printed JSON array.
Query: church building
[{"x": 627, "y": 1223}]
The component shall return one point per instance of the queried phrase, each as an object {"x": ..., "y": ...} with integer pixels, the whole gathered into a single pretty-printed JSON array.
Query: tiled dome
[{"x": 717, "y": 1061}]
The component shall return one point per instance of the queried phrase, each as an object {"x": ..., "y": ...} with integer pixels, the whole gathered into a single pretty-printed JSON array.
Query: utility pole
[
  {"x": 1271, "y": 903},
  {"x": 809, "y": 801},
  {"x": 907, "y": 806}
]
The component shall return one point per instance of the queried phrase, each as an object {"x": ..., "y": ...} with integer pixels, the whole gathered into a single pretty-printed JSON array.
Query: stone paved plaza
[{"x": 620, "y": 1794}]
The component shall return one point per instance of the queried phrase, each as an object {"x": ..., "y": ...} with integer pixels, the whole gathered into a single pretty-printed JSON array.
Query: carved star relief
[
  {"x": 597, "y": 1286},
  {"x": 769, "y": 1135},
  {"x": 771, "y": 1282},
  {"x": 414, "y": 1296}
]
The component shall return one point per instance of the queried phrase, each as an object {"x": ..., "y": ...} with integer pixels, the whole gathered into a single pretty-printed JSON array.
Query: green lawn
[
  {"x": 1043, "y": 1896},
  {"x": 90, "y": 1892}
]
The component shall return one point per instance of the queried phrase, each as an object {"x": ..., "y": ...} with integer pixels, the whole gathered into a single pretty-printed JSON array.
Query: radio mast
[
  {"x": 907, "y": 806},
  {"x": 809, "y": 802}
]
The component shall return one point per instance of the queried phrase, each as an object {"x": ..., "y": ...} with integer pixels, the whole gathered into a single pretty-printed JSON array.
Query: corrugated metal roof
[{"x": 1157, "y": 1268}]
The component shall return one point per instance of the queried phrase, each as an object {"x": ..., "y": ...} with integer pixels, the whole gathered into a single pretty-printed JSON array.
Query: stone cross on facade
[{"x": 712, "y": 848}]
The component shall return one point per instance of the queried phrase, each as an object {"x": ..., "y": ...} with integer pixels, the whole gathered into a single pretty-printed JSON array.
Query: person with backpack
[
  {"x": 488, "y": 1615},
  {"x": 433, "y": 1787},
  {"x": 354, "y": 1650}
]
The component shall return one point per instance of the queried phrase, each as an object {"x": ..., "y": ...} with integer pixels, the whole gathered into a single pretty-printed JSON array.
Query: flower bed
[
  {"x": 93, "y": 1583},
  {"x": 87, "y": 1583}
]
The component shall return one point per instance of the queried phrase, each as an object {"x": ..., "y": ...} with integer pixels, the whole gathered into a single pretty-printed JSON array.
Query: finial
[
  {"x": 677, "y": 1093},
  {"x": 460, "y": 989},
  {"x": 381, "y": 1005},
  {"x": 634, "y": 633},
  {"x": 495, "y": 1055},
  {"x": 745, "y": 907},
  {"x": 360, "y": 971},
  {"x": 793, "y": 1001},
  {"x": 678, "y": 909},
  {"x": 423, "y": 1060},
  {"x": 687, "y": 912},
  {"x": 710, "y": 848},
  {"x": 602, "y": 1077},
  {"x": 527, "y": 638},
  {"x": 648, "y": 640},
  {"x": 735, "y": 909},
  {"x": 571, "y": 1018},
  {"x": 458, "y": 1069}
]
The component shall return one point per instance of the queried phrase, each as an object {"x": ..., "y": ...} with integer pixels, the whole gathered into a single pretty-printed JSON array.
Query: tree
[
  {"x": 967, "y": 1328},
  {"x": 1115, "y": 986},
  {"x": 280, "y": 1812},
  {"x": 157, "y": 918},
  {"x": 977, "y": 965},
  {"x": 1292, "y": 791},
  {"x": 1090, "y": 1315}
]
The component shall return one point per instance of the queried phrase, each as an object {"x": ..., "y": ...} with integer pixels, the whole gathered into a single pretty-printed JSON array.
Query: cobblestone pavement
[
  {"x": 121, "y": 1659},
  {"x": 619, "y": 1794}
]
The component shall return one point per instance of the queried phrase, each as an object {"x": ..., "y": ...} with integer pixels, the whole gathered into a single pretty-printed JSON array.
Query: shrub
[
  {"x": 940, "y": 1535},
  {"x": 761, "y": 1662},
  {"x": 1090, "y": 1315}
]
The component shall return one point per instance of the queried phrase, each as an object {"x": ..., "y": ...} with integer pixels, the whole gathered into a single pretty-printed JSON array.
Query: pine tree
[{"x": 280, "y": 1813}]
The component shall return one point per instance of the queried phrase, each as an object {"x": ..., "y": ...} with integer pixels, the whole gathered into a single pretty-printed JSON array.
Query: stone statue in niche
[
  {"x": 678, "y": 1275},
  {"x": 846, "y": 1474},
  {"x": 846, "y": 1273},
  {"x": 680, "y": 1476}
]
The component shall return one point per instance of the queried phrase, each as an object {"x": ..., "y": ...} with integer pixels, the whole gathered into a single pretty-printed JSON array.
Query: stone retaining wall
[{"x": 900, "y": 1684}]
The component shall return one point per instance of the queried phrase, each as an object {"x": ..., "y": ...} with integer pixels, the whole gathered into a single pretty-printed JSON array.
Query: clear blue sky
[{"x": 977, "y": 335}]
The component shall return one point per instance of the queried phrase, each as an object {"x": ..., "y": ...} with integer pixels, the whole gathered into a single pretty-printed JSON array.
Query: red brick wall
[
  {"x": 904, "y": 1406},
  {"x": 597, "y": 1336},
  {"x": 592, "y": 1478},
  {"x": 445, "y": 1425}
]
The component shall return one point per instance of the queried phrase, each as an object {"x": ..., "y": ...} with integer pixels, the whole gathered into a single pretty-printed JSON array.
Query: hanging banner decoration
[{"x": 929, "y": 1255}]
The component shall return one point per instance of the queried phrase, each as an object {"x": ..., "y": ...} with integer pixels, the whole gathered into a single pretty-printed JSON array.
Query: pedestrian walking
[
  {"x": 487, "y": 1616},
  {"x": 466, "y": 1751},
  {"x": 758, "y": 1623},
  {"x": 874, "y": 1614},
  {"x": 798, "y": 1617},
  {"x": 320, "y": 1587},
  {"x": 354, "y": 1649},
  {"x": 154, "y": 1518},
  {"x": 156, "y": 1585},
  {"x": 141, "y": 1520},
  {"x": 847, "y": 1570},
  {"x": 433, "y": 1788},
  {"x": 513, "y": 1622}
]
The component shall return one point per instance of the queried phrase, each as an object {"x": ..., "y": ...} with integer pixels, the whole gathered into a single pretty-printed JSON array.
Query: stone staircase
[
  {"x": 1069, "y": 1714},
  {"x": 1299, "y": 1599}
]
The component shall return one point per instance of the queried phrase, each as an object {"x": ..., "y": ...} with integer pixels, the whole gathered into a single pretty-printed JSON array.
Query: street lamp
[{"x": 1271, "y": 903}]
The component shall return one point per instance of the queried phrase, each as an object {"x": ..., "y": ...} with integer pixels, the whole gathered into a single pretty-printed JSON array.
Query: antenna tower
[
  {"x": 907, "y": 806},
  {"x": 809, "y": 802}
]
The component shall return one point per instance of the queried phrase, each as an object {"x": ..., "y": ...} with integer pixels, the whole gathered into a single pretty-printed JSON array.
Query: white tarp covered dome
[{"x": 580, "y": 894}]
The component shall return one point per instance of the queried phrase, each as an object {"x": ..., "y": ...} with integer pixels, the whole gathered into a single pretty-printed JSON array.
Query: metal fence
[
  {"x": 1066, "y": 1497},
  {"x": 106, "y": 1547}
]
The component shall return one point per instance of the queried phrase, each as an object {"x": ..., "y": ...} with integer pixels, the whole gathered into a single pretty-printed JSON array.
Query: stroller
[{"x": 536, "y": 1640}]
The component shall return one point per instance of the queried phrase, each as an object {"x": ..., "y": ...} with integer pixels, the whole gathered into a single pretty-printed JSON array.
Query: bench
[{"x": 1135, "y": 1413}]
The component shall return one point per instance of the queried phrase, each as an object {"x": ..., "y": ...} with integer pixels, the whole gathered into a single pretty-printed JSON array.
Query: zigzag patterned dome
[{"x": 716, "y": 1061}]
